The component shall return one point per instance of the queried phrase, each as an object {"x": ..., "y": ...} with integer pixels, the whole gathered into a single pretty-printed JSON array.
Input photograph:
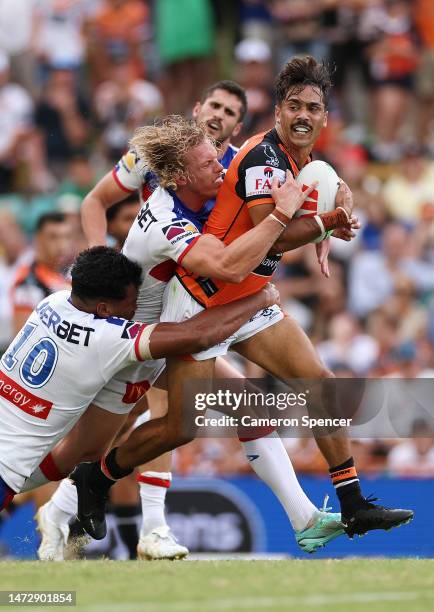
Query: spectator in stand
[
  {"x": 185, "y": 40},
  {"x": 409, "y": 191},
  {"x": 414, "y": 458},
  {"x": 256, "y": 20},
  {"x": 60, "y": 34},
  {"x": 348, "y": 344},
  {"x": 254, "y": 72},
  {"x": 393, "y": 61},
  {"x": 424, "y": 18},
  {"x": 79, "y": 178},
  {"x": 347, "y": 43},
  {"x": 122, "y": 103},
  {"x": 374, "y": 274},
  {"x": 118, "y": 29},
  {"x": 298, "y": 25},
  {"x": 20, "y": 144},
  {"x": 18, "y": 26},
  {"x": 62, "y": 115},
  {"x": 410, "y": 316},
  {"x": 43, "y": 274}
]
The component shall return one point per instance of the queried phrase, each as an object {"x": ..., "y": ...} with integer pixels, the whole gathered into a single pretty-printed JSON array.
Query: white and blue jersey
[
  {"x": 50, "y": 374},
  {"x": 163, "y": 231}
]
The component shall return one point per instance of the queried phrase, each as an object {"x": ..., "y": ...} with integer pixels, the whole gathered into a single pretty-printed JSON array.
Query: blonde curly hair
[{"x": 163, "y": 146}]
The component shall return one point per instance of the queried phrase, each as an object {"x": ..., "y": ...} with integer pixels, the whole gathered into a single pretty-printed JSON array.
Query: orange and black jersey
[
  {"x": 247, "y": 183},
  {"x": 33, "y": 283}
]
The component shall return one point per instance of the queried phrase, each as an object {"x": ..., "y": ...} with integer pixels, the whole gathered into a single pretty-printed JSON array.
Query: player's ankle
[{"x": 347, "y": 486}]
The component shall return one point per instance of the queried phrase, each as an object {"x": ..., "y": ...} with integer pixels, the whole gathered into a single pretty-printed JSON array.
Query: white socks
[
  {"x": 270, "y": 461},
  {"x": 63, "y": 504},
  {"x": 153, "y": 488}
]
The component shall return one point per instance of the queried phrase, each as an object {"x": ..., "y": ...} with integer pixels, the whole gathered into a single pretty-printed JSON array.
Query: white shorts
[
  {"x": 125, "y": 389},
  {"x": 178, "y": 305}
]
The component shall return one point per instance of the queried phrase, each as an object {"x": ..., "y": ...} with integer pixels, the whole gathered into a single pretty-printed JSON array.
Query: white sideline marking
[{"x": 255, "y": 603}]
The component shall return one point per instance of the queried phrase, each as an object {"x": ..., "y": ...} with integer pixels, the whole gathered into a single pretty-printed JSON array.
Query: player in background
[
  {"x": 278, "y": 345},
  {"x": 73, "y": 342},
  {"x": 120, "y": 218},
  {"x": 44, "y": 274}
]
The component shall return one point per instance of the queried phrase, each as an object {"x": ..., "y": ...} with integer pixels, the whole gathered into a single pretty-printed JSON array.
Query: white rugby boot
[
  {"x": 160, "y": 543},
  {"x": 53, "y": 537}
]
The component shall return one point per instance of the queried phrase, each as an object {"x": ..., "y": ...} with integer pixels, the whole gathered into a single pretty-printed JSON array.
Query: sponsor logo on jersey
[
  {"x": 271, "y": 155},
  {"x": 134, "y": 391},
  {"x": 131, "y": 329},
  {"x": 23, "y": 399},
  {"x": 259, "y": 178},
  {"x": 127, "y": 162},
  {"x": 176, "y": 230},
  {"x": 268, "y": 266}
]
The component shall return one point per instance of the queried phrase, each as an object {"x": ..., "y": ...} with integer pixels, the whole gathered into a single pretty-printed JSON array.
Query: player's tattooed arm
[{"x": 206, "y": 328}]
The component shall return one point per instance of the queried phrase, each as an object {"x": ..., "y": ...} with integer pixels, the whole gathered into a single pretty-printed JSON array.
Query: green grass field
[{"x": 190, "y": 586}]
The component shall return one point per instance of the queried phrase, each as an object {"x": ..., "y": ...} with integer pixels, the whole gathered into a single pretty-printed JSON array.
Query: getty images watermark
[
  {"x": 370, "y": 408},
  {"x": 249, "y": 401}
]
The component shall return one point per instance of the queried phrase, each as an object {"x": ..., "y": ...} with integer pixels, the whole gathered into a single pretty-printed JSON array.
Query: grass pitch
[{"x": 354, "y": 585}]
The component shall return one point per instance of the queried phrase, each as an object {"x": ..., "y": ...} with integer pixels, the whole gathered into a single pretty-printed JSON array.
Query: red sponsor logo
[
  {"x": 23, "y": 399},
  {"x": 260, "y": 184},
  {"x": 268, "y": 172},
  {"x": 135, "y": 391}
]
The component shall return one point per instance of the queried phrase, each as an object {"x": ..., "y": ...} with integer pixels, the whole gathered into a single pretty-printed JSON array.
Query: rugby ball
[{"x": 322, "y": 198}]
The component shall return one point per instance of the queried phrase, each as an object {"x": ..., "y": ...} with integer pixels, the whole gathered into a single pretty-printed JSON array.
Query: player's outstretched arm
[
  {"x": 93, "y": 209},
  {"x": 205, "y": 329},
  {"x": 232, "y": 263}
]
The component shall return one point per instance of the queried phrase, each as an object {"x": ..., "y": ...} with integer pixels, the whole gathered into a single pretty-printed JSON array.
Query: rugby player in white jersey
[
  {"x": 73, "y": 343},
  {"x": 221, "y": 111}
]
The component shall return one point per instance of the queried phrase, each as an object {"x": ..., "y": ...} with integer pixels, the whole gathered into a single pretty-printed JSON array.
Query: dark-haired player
[{"x": 73, "y": 342}]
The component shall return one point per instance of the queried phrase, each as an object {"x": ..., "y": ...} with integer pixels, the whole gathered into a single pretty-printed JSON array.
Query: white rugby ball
[{"x": 322, "y": 198}]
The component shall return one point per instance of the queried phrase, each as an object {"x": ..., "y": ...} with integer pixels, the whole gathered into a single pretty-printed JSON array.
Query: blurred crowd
[{"x": 76, "y": 78}]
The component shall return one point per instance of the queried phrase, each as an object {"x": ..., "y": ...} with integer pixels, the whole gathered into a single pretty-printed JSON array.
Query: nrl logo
[{"x": 271, "y": 155}]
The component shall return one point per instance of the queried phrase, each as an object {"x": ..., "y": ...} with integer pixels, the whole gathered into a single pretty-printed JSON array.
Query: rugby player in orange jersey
[{"x": 280, "y": 346}]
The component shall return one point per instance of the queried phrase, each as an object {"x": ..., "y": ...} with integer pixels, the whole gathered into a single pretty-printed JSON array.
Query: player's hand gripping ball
[{"x": 322, "y": 199}]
